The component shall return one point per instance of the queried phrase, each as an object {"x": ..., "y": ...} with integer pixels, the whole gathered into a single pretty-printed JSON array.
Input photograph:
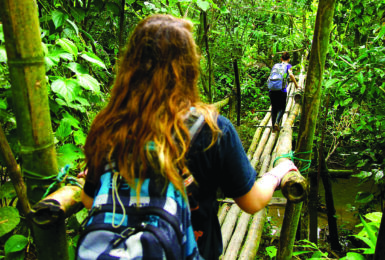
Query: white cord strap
[{"x": 115, "y": 195}]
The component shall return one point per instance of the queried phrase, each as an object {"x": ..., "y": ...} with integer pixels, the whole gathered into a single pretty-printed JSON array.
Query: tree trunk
[
  {"x": 121, "y": 27},
  {"x": 209, "y": 61},
  {"x": 312, "y": 95},
  {"x": 14, "y": 173},
  {"x": 238, "y": 87},
  {"x": 380, "y": 246},
  {"x": 29, "y": 91},
  {"x": 331, "y": 211}
]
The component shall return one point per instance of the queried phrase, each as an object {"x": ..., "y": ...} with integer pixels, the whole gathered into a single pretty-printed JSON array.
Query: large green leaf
[
  {"x": 68, "y": 46},
  {"x": 3, "y": 54},
  {"x": 353, "y": 256},
  {"x": 72, "y": 121},
  {"x": 112, "y": 7},
  {"x": 15, "y": 243},
  {"x": 9, "y": 219},
  {"x": 79, "y": 107},
  {"x": 89, "y": 56},
  {"x": 80, "y": 137},
  {"x": 83, "y": 101},
  {"x": 77, "y": 68},
  {"x": 380, "y": 35},
  {"x": 64, "y": 130},
  {"x": 3, "y": 104},
  {"x": 65, "y": 88},
  {"x": 204, "y": 5},
  {"x": 58, "y": 18},
  {"x": 7, "y": 190},
  {"x": 78, "y": 13},
  {"x": 68, "y": 154},
  {"x": 364, "y": 197},
  {"x": 88, "y": 82},
  {"x": 374, "y": 217},
  {"x": 73, "y": 25},
  {"x": 1, "y": 33}
]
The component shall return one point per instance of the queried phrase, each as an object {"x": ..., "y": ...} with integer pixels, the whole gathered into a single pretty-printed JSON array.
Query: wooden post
[
  {"x": 310, "y": 109},
  {"x": 14, "y": 173},
  {"x": 30, "y": 104}
]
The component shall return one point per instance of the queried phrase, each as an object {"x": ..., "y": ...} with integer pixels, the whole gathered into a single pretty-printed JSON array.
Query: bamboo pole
[
  {"x": 268, "y": 147},
  {"x": 257, "y": 134},
  {"x": 58, "y": 205},
  {"x": 253, "y": 238},
  {"x": 222, "y": 212},
  {"x": 237, "y": 238},
  {"x": 29, "y": 91},
  {"x": 260, "y": 147},
  {"x": 288, "y": 103},
  {"x": 30, "y": 104},
  {"x": 220, "y": 104},
  {"x": 229, "y": 224},
  {"x": 250, "y": 248}
]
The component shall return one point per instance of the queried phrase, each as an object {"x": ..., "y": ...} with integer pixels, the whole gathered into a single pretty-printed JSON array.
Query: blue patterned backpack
[{"x": 155, "y": 226}]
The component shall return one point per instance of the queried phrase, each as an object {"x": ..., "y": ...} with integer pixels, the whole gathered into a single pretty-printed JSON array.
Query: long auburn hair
[{"x": 154, "y": 89}]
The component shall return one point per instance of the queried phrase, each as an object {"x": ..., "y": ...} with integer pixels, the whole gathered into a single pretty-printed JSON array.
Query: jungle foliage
[{"x": 82, "y": 40}]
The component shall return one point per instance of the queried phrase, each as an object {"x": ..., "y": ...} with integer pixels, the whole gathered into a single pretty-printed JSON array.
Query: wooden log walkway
[{"x": 241, "y": 232}]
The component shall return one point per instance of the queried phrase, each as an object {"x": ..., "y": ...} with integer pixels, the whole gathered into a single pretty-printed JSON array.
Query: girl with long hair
[{"x": 142, "y": 134}]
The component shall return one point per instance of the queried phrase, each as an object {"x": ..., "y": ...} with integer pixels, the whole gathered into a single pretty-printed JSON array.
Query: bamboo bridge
[{"x": 241, "y": 232}]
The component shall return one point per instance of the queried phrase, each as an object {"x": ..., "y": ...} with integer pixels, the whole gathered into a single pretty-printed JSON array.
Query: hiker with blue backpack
[
  {"x": 277, "y": 84},
  {"x": 156, "y": 157}
]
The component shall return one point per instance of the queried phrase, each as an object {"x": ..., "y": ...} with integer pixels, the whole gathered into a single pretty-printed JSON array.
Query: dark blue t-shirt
[{"x": 224, "y": 166}]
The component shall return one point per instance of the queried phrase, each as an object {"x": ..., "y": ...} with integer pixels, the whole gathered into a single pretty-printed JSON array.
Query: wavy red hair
[{"x": 154, "y": 89}]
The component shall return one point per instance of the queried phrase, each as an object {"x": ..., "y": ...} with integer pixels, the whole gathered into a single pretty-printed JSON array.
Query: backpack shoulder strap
[{"x": 194, "y": 122}]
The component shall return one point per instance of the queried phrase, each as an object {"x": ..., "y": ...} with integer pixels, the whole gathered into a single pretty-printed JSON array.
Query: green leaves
[
  {"x": 77, "y": 68},
  {"x": 7, "y": 191},
  {"x": 68, "y": 46},
  {"x": 65, "y": 88},
  {"x": 364, "y": 197},
  {"x": 68, "y": 154},
  {"x": 58, "y": 18},
  {"x": 204, "y": 5},
  {"x": 369, "y": 233},
  {"x": 64, "y": 130},
  {"x": 93, "y": 59},
  {"x": 15, "y": 243},
  {"x": 9, "y": 219},
  {"x": 380, "y": 35},
  {"x": 88, "y": 82},
  {"x": 353, "y": 256}
]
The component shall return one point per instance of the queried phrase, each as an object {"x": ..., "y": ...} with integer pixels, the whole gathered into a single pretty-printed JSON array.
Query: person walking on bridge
[
  {"x": 142, "y": 133},
  {"x": 277, "y": 84}
]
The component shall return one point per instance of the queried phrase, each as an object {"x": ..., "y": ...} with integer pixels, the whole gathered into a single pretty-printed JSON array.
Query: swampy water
[{"x": 344, "y": 193}]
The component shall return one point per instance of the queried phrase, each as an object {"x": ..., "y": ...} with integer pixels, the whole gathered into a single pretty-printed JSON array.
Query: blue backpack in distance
[{"x": 277, "y": 78}]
